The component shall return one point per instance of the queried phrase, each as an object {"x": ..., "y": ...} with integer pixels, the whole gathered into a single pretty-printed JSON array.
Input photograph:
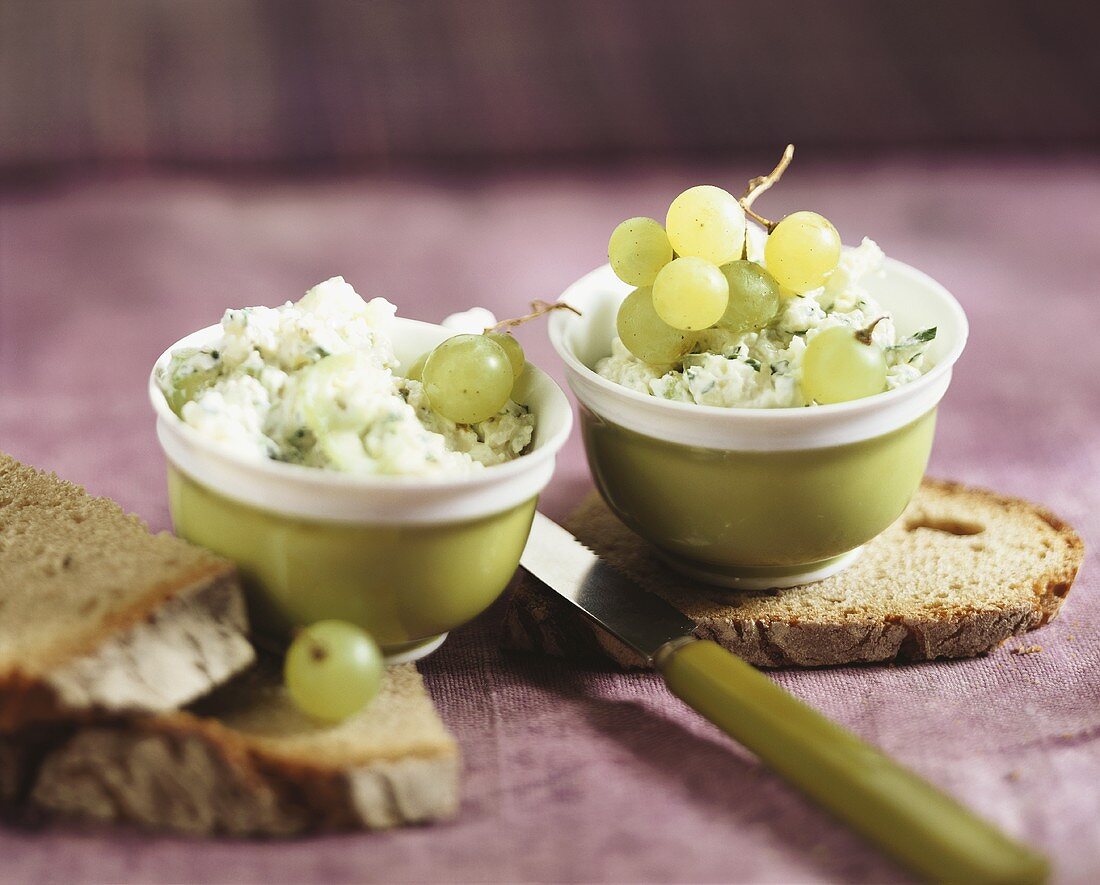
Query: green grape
[
  {"x": 332, "y": 670},
  {"x": 638, "y": 249},
  {"x": 690, "y": 293},
  {"x": 646, "y": 335},
  {"x": 184, "y": 389},
  {"x": 802, "y": 251},
  {"x": 468, "y": 378},
  {"x": 706, "y": 222},
  {"x": 754, "y": 297},
  {"x": 512, "y": 348},
  {"x": 320, "y": 393},
  {"x": 524, "y": 388},
  {"x": 186, "y": 386},
  {"x": 837, "y": 366},
  {"x": 416, "y": 370},
  {"x": 344, "y": 450}
]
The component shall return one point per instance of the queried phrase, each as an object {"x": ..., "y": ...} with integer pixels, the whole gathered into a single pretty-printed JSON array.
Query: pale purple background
[
  {"x": 382, "y": 83},
  {"x": 573, "y": 773}
]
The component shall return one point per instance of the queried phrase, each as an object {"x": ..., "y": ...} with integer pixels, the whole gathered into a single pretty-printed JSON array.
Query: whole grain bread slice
[
  {"x": 100, "y": 617},
  {"x": 960, "y": 572},
  {"x": 245, "y": 762}
]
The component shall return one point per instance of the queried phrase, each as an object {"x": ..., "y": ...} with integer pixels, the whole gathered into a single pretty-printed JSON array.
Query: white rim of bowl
[
  {"x": 932, "y": 384},
  {"x": 377, "y": 495}
]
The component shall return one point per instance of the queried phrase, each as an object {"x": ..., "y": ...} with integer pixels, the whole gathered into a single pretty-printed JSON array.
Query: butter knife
[{"x": 906, "y": 816}]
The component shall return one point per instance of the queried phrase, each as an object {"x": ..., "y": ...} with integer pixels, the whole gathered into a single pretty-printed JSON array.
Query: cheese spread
[
  {"x": 315, "y": 383},
  {"x": 762, "y": 369}
]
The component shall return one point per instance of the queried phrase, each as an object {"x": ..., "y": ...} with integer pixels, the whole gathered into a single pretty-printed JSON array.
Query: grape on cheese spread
[
  {"x": 314, "y": 383},
  {"x": 762, "y": 369}
]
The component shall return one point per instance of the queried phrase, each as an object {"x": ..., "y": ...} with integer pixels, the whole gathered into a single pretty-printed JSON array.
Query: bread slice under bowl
[
  {"x": 107, "y": 630},
  {"x": 100, "y": 617},
  {"x": 961, "y": 571},
  {"x": 245, "y": 762}
]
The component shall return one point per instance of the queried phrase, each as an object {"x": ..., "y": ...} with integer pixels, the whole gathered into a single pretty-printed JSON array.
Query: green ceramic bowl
[
  {"x": 408, "y": 558},
  {"x": 758, "y": 498}
]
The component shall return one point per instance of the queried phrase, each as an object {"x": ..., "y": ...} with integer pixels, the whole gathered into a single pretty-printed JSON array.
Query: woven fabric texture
[{"x": 571, "y": 773}]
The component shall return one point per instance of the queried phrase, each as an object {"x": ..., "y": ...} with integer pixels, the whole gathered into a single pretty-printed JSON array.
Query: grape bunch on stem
[{"x": 693, "y": 273}]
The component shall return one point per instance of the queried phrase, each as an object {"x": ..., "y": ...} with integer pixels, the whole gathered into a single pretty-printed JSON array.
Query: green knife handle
[{"x": 905, "y": 815}]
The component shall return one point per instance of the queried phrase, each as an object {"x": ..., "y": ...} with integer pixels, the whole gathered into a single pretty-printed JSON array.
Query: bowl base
[
  {"x": 761, "y": 578},
  {"x": 412, "y": 651}
]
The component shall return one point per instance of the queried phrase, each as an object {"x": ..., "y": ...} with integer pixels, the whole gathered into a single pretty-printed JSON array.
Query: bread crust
[
  {"x": 188, "y": 644},
  {"x": 207, "y": 570},
  {"x": 199, "y": 775},
  {"x": 815, "y": 631},
  {"x": 146, "y": 643}
]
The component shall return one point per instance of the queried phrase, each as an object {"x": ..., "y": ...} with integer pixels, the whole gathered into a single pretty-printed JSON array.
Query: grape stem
[
  {"x": 538, "y": 309},
  {"x": 863, "y": 336},
  {"x": 761, "y": 183}
]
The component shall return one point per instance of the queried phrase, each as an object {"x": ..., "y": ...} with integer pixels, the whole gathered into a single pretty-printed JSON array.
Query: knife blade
[
  {"x": 904, "y": 815},
  {"x": 642, "y": 620}
]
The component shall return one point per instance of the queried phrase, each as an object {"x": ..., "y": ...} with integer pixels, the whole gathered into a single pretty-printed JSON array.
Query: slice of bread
[
  {"x": 245, "y": 762},
  {"x": 98, "y": 616},
  {"x": 960, "y": 572}
]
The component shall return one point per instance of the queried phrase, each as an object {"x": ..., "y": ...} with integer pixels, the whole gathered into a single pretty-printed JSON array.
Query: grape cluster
[
  {"x": 693, "y": 274},
  {"x": 469, "y": 378}
]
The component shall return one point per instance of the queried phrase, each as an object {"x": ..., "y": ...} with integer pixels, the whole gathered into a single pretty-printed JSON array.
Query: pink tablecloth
[{"x": 572, "y": 773}]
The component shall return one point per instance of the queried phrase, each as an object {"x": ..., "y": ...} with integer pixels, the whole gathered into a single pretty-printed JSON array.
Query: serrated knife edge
[{"x": 641, "y": 619}]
